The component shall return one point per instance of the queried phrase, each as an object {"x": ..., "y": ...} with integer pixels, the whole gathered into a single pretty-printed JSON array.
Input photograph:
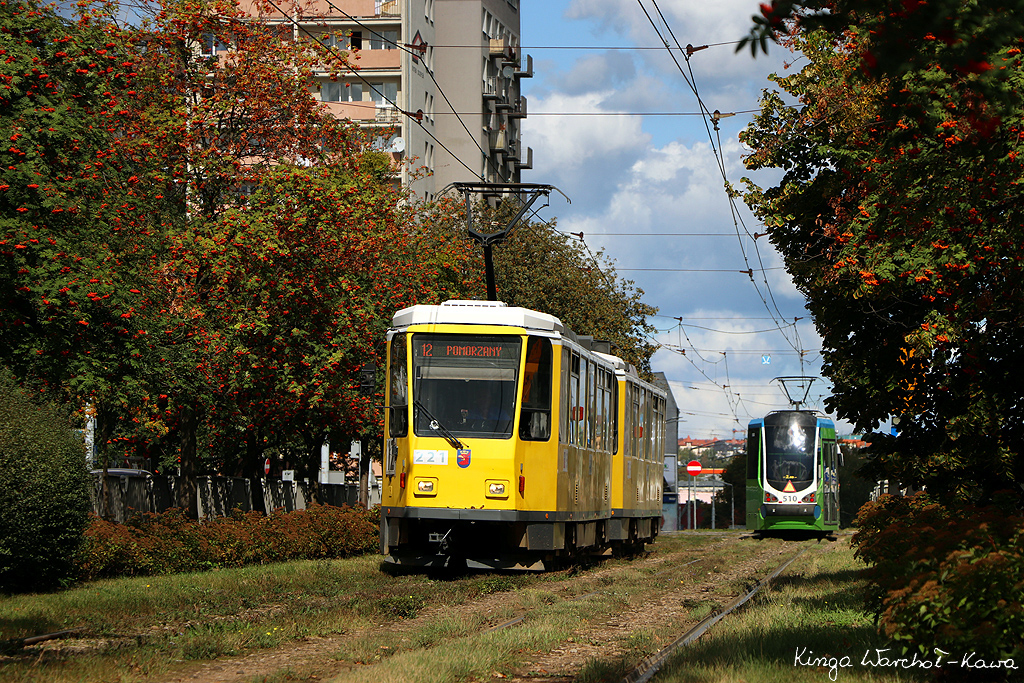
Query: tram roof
[{"x": 457, "y": 311}]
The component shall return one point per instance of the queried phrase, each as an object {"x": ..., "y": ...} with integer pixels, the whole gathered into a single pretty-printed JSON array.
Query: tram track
[
  {"x": 603, "y": 590},
  {"x": 649, "y": 667},
  {"x": 537, "y": 629}
]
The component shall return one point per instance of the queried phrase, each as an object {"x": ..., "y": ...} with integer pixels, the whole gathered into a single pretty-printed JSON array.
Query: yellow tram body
[{"x": 510, "y": 443}]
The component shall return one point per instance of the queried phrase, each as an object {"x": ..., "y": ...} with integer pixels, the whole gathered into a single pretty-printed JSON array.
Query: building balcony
[
  {"x": 376, "y": 60},
  {"x": 387, "y": 8},
  {"x": 386, "y": 114},
  {"x": 360, "y": 112},
  {"x": 340, "y": 8}
]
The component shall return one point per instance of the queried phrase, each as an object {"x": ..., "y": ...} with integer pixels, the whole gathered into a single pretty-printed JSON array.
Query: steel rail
[
  {"x": 15, "y": 644},
  {"x": 521, "y": 617},
  {"x": 649, "y": 666}
]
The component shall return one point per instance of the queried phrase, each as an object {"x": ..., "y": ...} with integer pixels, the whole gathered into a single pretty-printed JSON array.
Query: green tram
[{"x": 792, "y": 483}]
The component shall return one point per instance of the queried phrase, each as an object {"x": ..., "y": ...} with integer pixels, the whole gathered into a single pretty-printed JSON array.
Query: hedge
[
  {"x": 44, "y": 492},
  {"x": 170, "y": 542},
  {"x": 946, "y": 577}
]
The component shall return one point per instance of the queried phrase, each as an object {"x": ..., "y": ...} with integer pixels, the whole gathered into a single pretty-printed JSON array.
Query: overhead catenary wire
[
  {"x": 716, "y": 145},
  {"x": 358, "y": 75}
]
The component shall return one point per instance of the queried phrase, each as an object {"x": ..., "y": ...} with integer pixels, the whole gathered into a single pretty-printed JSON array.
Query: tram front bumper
[{"x": 781, "y": 510}]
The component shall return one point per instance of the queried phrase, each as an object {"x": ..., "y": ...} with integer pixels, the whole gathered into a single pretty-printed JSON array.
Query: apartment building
[{"x": 436, "y": 83}]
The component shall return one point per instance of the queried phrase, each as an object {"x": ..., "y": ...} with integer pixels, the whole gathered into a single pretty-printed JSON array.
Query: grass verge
[
  {"x": 144, "y": 628},
  {"x": 808, "y": 625}
]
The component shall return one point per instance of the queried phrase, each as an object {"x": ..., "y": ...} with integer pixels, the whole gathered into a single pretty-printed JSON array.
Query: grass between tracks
[
  {"x": 156, "y": 628},
  {"x": 808, "y": 626},
  {"x": 149, "y": 628}
]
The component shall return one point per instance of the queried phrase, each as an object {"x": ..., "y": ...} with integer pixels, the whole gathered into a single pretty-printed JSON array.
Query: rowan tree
[
  {"x": 899, "y": 218},
  {"x": 68, "y": 278},
  {"x": 209, "y": 254}
]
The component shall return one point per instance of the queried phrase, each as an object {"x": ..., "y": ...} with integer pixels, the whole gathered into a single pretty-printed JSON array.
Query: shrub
[
  {"x": 44, "y": 494},
  {"x": 944, "y": 577},
  {"x": 170, "y": 542}
]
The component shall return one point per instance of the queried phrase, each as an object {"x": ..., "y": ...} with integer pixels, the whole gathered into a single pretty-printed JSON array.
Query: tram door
[{"x": 830, "y": 456}]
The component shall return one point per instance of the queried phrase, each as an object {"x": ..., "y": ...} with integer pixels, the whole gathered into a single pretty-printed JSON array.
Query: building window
[
  {"x": 335, "y": 91},
  {"x": 384, "y": 94},
  {"x": 211, "y": 45},
  {"x": 384, "y": 40},
  {"x": 343, "y": 39}
]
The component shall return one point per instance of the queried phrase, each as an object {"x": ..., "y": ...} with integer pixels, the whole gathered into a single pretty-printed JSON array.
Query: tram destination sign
[{"x": 457, "y": 348}]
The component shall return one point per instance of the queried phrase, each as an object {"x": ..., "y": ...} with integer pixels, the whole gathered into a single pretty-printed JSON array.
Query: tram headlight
[
  {"x": 497, "y": 488},
  {"x": 769, "y": 498},
  {"x": 426, "y": 487},
  {"x": 809, "y": 498}
]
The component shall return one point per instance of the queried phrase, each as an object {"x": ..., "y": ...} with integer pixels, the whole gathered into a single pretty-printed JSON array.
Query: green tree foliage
[
  {"x": 946, "y": 578},
  {"x": 899, "y": 218},
  {"x": 62, "y": 282},
  {"x": 44, "y": 496},
  {"x": 854, "y": 489},
  {"x": 192, "y": 242}
]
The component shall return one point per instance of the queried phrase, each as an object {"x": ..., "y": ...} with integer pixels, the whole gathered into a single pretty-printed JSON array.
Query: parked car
[{"x": 123, "y": 472}]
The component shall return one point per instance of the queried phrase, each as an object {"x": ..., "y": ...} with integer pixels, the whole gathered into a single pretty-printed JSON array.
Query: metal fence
[{"x": 218, "y": 496}]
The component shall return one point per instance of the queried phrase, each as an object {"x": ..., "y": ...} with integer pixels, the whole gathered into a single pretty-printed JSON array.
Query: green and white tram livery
[{"x": 792, "y": 482}]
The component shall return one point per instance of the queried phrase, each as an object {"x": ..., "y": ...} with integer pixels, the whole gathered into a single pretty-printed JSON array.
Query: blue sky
[{"x": 646, "y": 187}]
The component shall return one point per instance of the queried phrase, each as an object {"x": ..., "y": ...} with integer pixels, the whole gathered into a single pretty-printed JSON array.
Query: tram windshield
[
  {"x": 467, "y": 383},
  {"x": 789, "y": 450}
]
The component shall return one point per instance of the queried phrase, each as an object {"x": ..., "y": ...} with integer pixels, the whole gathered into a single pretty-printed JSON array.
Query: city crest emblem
[{"x": 463, "y": 457}]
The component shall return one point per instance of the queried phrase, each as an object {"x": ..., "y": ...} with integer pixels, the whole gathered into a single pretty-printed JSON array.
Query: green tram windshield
[
  {"x": 467, "y": 383},
  {"x": 789, "y": 449}
]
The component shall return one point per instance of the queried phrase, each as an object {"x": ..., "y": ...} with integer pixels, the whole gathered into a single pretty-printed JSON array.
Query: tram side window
[
  {"x": 638, "y": 427},
  {"x": 398, "y": 382},
  {"x": 592, "y": 415},
  {"x": 645, "y": 420},
  {"x": 604, "y": 410},
  {"x": 753, "y": 451},
  {"x": 563, "y": 418},
  {"x": 581, "y": 432},
  {"x": 829, "y": 451},
  {"x": 535, "y": 417},
  {"x": 612, "y": 413},
  {"x": 659, "y": 436},
  {"x": 574, "y": 400},
  {"x": 627, "y": 427}
]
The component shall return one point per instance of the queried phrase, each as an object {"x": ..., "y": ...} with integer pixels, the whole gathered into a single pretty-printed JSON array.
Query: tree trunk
[
  {"x": 187, "y": 498},
  {"x": 314, "y": 442},
  {"x": 364, "y": 476},
  {"x": 252, "y": 470}
]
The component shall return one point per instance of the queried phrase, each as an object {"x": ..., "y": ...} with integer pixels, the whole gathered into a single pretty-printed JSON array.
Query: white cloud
[{"x": 568, "y": 143}]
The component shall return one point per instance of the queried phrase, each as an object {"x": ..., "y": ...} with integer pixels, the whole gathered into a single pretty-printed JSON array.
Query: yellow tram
[{"x": 511, "y": 443}]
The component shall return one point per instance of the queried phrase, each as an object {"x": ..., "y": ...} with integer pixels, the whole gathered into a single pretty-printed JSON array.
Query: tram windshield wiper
[{"x": 436, "y": 426}]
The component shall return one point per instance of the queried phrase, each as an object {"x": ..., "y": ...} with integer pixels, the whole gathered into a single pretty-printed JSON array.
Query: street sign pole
[{"x": 693, "y": 468}]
